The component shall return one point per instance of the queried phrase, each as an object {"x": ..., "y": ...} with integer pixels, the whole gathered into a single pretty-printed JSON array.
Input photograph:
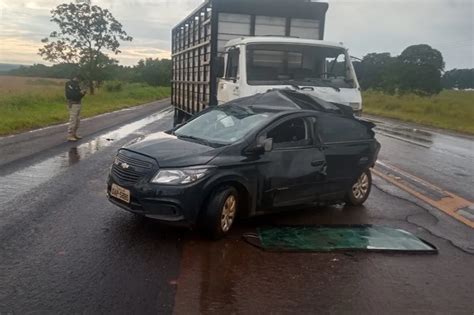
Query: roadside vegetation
[
  {"x": 29, "y": 103},
  {"x": 408, "y": 87},
  {"x": 452, "y": 110}
]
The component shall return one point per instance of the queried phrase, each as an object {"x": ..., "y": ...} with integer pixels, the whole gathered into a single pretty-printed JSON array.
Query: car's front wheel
[
  {"x": 360, "y": 190},
  {"x": 220, "y": 212}
]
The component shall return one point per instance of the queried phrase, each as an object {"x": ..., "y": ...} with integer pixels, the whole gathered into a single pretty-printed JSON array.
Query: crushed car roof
[{"x": 290, "y": 100}]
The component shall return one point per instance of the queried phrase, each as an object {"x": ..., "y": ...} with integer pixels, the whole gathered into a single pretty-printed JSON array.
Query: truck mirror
[{"x": 220, "y": 67}]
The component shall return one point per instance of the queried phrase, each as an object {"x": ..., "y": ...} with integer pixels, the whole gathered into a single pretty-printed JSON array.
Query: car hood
[{"x": 169, "y": 151}]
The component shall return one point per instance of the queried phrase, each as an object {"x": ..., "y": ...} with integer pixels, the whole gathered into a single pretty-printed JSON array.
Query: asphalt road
[{"x": 65, "y": 249}]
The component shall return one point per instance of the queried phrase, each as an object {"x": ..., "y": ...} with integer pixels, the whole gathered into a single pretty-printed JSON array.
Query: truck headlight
[
  {"x": 356, "y": 106},
  {"x": 180, "y": 176}
]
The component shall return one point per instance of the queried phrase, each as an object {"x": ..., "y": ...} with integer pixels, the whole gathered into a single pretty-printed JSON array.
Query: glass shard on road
[{"x": 338, "y": 238}]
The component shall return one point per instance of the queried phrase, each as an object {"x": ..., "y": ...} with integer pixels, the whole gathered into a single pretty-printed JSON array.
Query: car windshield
[
  {"x": 283, "y": 64},
  {"x": 223, "y": 125}
]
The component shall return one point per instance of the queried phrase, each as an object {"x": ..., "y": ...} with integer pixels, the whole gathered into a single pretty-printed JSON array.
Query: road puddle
[{"x": 19, "y": 182}]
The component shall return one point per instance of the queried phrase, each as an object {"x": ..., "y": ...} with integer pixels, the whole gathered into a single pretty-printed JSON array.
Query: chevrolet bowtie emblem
[{"x": 123, "y": 165}]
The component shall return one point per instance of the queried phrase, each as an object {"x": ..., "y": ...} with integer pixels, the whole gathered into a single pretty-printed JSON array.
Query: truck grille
[{"x": 130, "y": 168}]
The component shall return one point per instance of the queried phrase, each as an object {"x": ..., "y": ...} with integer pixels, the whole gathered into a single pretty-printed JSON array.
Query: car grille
[{"x": 130, "y": 168}]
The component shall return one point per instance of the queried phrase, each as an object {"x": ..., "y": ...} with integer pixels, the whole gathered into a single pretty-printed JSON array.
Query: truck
[{"x": 228, "y": 49}]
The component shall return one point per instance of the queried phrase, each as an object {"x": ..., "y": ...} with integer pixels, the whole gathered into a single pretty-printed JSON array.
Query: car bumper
[{"x": 178, "y": 205}]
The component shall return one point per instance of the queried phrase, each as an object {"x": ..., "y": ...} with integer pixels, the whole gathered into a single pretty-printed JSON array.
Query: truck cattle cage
[{"x": 198, "y": 41}]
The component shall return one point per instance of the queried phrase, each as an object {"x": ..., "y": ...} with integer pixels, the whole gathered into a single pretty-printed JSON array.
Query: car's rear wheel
[
  {"x": 220, "y": 212},
  {"x": 360, "y": 190}
]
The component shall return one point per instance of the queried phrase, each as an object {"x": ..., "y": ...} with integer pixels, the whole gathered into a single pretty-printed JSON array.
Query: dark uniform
[{"x": 74, "y": 96}]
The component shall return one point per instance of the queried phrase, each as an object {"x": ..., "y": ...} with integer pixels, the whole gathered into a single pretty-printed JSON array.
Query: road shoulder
[{"x": 29, "y": 144}]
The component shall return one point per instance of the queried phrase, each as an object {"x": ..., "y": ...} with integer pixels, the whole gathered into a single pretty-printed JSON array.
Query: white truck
[{"x": 227, "y": 49}]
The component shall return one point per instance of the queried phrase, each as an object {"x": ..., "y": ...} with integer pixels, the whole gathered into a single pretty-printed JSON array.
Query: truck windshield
[
  {"x": 223, "y": 125},
  {"x": 284, "y": 64}
]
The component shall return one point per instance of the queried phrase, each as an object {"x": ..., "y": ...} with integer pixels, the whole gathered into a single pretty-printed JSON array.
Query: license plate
[{"x": 120, "y": 193}]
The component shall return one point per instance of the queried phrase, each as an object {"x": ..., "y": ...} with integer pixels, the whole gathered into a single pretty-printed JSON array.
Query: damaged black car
[{"x": 255, "y": 155}]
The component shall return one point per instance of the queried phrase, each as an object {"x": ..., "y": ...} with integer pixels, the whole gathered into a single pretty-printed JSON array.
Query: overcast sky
[{"x": 362, "y": 25}]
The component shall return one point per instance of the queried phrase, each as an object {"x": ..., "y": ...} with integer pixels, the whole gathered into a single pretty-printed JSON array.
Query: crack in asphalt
[{"x": 426, "y": 211}]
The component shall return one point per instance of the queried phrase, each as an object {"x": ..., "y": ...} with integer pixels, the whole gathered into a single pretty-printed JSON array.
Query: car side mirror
[
  {"x": 268, "y": 144},
  {"x": 262, "y": 147}
]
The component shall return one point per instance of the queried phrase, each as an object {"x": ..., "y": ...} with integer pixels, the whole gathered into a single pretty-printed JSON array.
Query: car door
[
  {"x": 294, "y": 169},
  {"x": 228, "y": 87},
  {"x": 347, "y": 148}
]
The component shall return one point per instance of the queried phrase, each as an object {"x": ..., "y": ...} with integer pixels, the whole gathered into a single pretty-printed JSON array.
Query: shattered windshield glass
[
  {"x": 223, "y": 125},
  {"x": 274, "y": 64}
]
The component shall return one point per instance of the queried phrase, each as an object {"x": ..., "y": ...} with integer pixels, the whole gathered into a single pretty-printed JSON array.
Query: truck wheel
[
  {"x": 177, "y": 117},
  {"x": 360, "y": 190},
  {"x": 220, "y": 212}
]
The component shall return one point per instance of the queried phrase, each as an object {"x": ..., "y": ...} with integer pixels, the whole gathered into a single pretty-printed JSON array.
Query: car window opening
[{"x": 290, "y": 134}]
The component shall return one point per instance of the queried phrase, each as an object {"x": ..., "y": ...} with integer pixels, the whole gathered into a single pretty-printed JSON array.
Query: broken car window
[
  {"x": 224, "y": 125},
  {"x": 290, "y": 134}
]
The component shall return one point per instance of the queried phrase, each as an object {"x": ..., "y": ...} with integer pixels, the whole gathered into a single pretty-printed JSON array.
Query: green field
[
  {"x": 29, "y": 103},
  {"x": 451, "y": 110}
]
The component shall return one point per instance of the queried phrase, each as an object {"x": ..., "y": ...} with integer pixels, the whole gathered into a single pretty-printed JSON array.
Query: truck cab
[
  {"x": 319, "y": 68},
  {"x": 226, "y": 49}
]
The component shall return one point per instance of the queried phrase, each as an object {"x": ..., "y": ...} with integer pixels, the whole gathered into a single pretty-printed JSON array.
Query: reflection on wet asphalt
[
  {"x": 463, "y": 147},
  {"x": 441, "y": 159},
  {"x": 66, "y": 249},
  {"x": 232, "y": 277},
  {"x": 20, "y": 182}
]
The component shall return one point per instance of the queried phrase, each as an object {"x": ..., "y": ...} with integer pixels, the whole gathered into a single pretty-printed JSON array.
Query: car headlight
[{"x": 180, "y": 176}]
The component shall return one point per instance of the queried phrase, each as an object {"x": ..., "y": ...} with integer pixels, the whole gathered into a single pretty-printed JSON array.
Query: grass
[
  {"x": 29, "y": 103},
  {"x": 451, "y": 110}
]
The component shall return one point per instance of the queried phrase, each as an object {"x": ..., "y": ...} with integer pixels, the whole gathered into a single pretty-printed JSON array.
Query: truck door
[{"x": 228, "y": 87}]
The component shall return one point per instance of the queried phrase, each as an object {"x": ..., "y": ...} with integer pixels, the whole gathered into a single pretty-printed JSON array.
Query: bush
[{"x": 113, "y": 86}]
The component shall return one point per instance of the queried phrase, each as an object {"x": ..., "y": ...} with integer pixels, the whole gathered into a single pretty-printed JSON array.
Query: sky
[{"x": 364, "y": 26}]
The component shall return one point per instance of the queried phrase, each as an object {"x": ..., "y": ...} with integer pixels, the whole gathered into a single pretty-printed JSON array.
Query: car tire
[
  {"x": 360, "y": 190},
  {"x": 220, "y": 212}
]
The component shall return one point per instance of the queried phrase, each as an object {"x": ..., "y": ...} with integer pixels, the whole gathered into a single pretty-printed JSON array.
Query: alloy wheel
[
  {"x": 361, "y": 187},
  {"x": 228, "y": 213}
]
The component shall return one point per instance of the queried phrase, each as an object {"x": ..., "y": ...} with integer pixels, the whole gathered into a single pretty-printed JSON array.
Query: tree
[
  {"x": 86, "y": 33},
  {"x": 422, "y": 55},
  {"x": 58, "y": 71},
  {"x": 374, "y": 71},
  {"x": 155, "y": 72},
  {"x": 458, "y": 78},
  {"x": 420, "y": 68}
]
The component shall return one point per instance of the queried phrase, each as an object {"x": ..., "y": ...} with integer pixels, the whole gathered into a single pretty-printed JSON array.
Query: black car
[{"x": 255, "y": 155}]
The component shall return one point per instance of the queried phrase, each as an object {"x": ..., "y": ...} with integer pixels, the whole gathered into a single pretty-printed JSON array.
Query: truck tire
[
  {"x": 177, "y": 118},
  {"x": 180, "y": 117},
  {"x": 220, "y": 212},
  {"x": 360, "y": 190}
]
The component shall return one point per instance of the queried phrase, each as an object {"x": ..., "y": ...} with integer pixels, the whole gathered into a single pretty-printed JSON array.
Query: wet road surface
[{"x": 64, "y": 248}]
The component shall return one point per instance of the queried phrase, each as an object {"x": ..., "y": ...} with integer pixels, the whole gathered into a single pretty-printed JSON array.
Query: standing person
[{"x": 74, "y": 95}]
